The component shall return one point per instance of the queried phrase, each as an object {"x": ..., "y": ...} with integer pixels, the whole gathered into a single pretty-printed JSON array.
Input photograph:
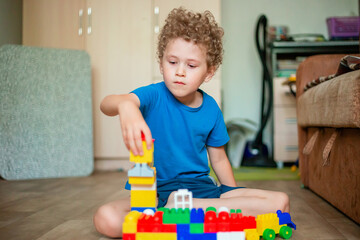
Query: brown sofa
[{"x": 329, "y": 132}]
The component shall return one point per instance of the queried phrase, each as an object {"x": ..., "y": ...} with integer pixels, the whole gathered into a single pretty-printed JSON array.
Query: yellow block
[
  {"x": 156, "y": 236},
  {"x": 130, "y": 222},
  {"x": 148, "y": 156},
  {"x": 143, "y": 180},
  {"x": 251, "y": 234},
  {"x": 143, "y": 198},
  {"x": 268, "y": 220}
]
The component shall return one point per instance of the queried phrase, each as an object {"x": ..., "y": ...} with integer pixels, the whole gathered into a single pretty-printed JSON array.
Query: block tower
[{"x": 142, "y": 178}]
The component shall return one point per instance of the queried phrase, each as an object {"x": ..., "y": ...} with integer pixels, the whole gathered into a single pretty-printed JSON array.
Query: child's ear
[{"x": 210, "y": 73}]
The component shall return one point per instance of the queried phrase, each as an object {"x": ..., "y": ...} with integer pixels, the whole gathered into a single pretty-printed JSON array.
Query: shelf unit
[{"x": 283, "y": 127}]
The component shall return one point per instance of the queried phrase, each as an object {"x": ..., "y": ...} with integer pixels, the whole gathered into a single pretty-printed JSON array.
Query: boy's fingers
[
  {"x": 125, "y": 139},
  {"x": 138, "y": 144},
  {"x": 131, "y": 143},
  {"x": 148, "y": 138}
]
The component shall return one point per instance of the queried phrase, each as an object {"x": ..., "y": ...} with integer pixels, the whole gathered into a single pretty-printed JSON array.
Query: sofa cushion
[{"x": 334, "y": 103}]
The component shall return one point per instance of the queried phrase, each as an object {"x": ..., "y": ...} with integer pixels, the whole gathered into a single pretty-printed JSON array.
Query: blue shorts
[{"x": 204, "y": 187}]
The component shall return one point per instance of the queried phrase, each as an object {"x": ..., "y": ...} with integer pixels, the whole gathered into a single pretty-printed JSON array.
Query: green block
[
  {"x": 162, "y": 209},
  {"x": 210, "y": 209},
  {"x": 196, "y": 228},
  {"x": 176, "y": 216},
  {"x": 235, "y": 210}
]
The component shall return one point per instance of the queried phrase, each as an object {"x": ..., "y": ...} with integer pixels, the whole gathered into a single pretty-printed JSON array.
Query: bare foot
[{"x": 171, "y": 202}]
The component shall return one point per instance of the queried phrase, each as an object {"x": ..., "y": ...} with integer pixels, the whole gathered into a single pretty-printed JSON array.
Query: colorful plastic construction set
[{"x": 183, "y": 222}]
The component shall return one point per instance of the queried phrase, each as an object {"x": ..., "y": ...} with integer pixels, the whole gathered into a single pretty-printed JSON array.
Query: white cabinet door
[
  {"x": 55, "y": 23},
  {"x": 120, "y": 48}
]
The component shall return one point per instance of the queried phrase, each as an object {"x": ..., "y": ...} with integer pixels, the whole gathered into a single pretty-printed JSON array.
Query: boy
[{"x": 186, "y": 124}]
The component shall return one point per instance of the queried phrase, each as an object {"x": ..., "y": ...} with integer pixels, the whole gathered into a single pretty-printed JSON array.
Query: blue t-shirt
[{"x": 181, "y": 133}]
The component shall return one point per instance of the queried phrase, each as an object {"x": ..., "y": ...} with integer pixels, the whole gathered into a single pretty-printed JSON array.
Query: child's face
[{"x": 184, "y": 69}]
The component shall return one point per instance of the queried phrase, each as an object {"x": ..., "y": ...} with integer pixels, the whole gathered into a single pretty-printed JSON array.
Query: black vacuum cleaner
[{"x": 256, "y": 153}]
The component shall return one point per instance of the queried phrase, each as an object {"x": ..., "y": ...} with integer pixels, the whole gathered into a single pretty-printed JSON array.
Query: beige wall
[{"x": 10, "y": 21}]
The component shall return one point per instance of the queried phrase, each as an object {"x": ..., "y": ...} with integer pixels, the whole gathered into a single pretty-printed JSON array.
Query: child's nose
[{"x": 180, "y": 71}]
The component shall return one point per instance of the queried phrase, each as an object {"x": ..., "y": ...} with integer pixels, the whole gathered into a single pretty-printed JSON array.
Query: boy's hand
[{"x": 132, "y": 125}]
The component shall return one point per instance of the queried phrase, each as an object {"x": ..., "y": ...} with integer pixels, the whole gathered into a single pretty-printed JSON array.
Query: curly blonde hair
[{"x": 201, "y": 28}]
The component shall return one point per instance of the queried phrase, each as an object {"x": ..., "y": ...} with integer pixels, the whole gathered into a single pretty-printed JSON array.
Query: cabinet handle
[
  {"x": 89, "y": 12},
  {"x": 291, "y": 148},
  {"x": 80, "y": 30},
  {"x": 156, "y": 13},
  {"x": 290, "y": 120}
]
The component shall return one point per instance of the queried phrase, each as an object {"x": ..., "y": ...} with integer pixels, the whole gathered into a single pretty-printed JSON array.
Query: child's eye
[
  {"x": 172, "y": 62},
  {"x": 192, "y": 66}
]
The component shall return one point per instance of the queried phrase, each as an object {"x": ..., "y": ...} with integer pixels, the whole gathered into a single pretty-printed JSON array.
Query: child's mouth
[{"x": 180, "y": 83}]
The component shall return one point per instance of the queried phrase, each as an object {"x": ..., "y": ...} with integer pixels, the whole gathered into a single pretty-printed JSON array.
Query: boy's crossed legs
[{"x": 109, "y": 218}]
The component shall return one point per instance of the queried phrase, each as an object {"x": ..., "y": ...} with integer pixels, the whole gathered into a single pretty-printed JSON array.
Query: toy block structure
[
  {"x": 195, "y": 224},
  {"x": 142, "y": 178},
  {"x": 184, "y": 222},
  {"x": 183, "y": 199}
]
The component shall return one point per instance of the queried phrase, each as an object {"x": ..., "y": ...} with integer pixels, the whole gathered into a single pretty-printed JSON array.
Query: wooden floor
[{"x": 63, "y": 208}]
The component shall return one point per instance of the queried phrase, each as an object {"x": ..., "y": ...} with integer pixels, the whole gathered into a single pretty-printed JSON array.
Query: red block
[
  {"x": 210, "y": 222},
  {"x": 248, "y": 222},
  {"x": 129, "y": 236},
  {"x": 235, "y": 222},
  {"x": 169, "y": 228},
  {"x": 223, "y": 224},
  {"x": 148, "y": 223}
]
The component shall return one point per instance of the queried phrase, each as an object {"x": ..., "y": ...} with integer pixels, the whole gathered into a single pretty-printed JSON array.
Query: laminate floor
[{"x": 63, "y": 208}]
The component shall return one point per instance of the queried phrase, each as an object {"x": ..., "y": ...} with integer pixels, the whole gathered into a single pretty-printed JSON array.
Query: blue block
[
  {"x": 209, "y": 236},
  {"x": 202, "y": 236},
  {"x": 197, "y": 215},
  {"x": 183, "y": 228},
  {"x": 183, "y": 231},
  {"x": 285, "y": 218},
  {"x": 142, "y": 209}
]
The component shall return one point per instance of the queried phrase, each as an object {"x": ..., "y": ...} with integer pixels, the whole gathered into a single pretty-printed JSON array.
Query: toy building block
[
  {"x": 147, "y": 157},
  {"x": 175, "y": 216},
  {"x": 223, "y": 224},
  {"x": 143, "y": 163},
  {"x": 130, "y": 222},
  {"x": 143, "y": 198},
  {"x": 251, "y": 234},
  {"x": 183, "y": 199},
  {"x": 148, "y": 223},
  {"x": 129, "y": 236},
  {"x": 197, "y": 215},
  {"x": 230, "y": 236},
  {"x": 144, "y": 186},
  {"x": 157, "y": 236},
  {"x": 142, "y": 209},
  {"x": 141, "y": 180},
  {"x": 196, "y": 227},
  {"x": 210, "y": 222},
  {"x": 285, "y": 218},
  {"x": 267, "y": 221},
  {"x": 141, "y": 170}
]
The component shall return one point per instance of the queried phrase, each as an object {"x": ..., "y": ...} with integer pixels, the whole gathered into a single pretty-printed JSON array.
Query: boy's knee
[
  {"x": 107, "y": 222},
  {"x": 283, "y": 202}
]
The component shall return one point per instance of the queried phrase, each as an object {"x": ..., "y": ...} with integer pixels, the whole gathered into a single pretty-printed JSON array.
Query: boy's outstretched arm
[
  {"x": 221, "y": 165},
  {"x": 131, "y": 120}
]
